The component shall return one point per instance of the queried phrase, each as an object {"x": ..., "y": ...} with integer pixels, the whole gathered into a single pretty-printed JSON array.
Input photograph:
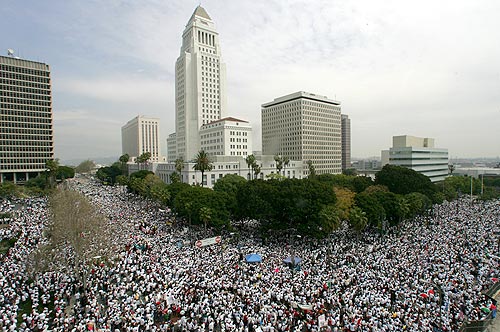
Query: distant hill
[{"x": 97, "y": 160}]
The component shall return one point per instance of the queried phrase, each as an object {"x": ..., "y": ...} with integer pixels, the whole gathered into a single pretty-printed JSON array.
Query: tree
[
  {"x": 65, "y": 172},
  {"x": 108, "y": 174},
  {"x": 205, "y": 215},
  {"x": 179, "y": 166},
  {"x": 358, "y": 219},
  {"x": 250, "y": 160},
  {"x": 286, "y": 162},
  {"x": 143, "y": 159},
  {"x": 85, "y": 166},
  {"x": 124, "y": 159},
  {"x": 229, "y": 186},
  {"x": 279, "y": 163},
  {"x": 175, "y": 177},
  {"x": 451, "y": 168},
  {"x": 402, "y": 180},
  {"x": 345, "y": 201},
  {"x": 188, "y": 203},
  {"x": 122, "y": 180},
  {"x": 8, "y": 189},
  {"x": 373, "y": 209},
  {"x": 36, "y": 186},
  {"x": 329, "y": 218},
  {"x": 203, "y": 164},
  {"x": 312, "y": 170},
  {"x": 417, "y": 203},
  {"x": 350, "y": 172},
  {"x": 256, "y": 170},
  {"x": 75, "y": 235},
  {"x": 51, "y": 166},
  {"x": 159, "y": 192}
]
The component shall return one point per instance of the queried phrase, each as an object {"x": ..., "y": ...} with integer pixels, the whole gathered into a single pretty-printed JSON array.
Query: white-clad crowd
[{"x": 426, "y": 274}]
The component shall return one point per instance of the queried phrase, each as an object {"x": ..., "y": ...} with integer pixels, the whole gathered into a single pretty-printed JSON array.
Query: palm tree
[
  {"x": 256, "y": 170},
  {"x": 279, "y": 163},
  {"x": 286, "y": 162},
  {"x": 205, "y": 215},
  {"x": 143, "y": 158},
  {"x": 250, "y": 159},
  {"x": 358, "y": 219},
  {"x": 312, "y": 170},
  {"x": 51, "y": 166},
  {"x": 124, "y": 160},
  {"x": 451, "y": 167},
  {"x": 179, "y": 166},
  {"x": 203, "y": 164}
]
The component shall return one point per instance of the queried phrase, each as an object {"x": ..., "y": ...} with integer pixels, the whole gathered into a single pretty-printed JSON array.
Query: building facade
[
  {"x": 227, "y": 137},
  {"x": 200, "y": 84},
  {"x": 223, "y": 165},
  {"x": 346, "y": 141},
  {"x": 140, "y": 135},
  {"x": 419, "y": 154},
  {"x": 304, "y": 126},
  {"x": 26, "y": 129}
]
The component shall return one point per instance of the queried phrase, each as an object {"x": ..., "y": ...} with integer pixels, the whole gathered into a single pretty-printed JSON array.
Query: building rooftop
[
  {"x": 226, "y": 119},
  {"x": 201, "y": 12},
  {"x": 299, "y": 95}
]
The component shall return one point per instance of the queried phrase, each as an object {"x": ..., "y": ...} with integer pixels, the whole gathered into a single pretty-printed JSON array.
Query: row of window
[
  {"x": 12, "y": 155},
  {"x": 27, "y": 144},
  {"x": 20, "y": 89},
  {"x": 238, "y": 133},
  {"x": 17, "y": 103},
  {"x": 24, "y": 70},
  {"x": 234, "y": 146},
  {"x": 12, "y": 83},
  {"x": 21, "y": 166},
  {"x": 22, "y": 77},
  {"x": 42, "y": 139}
]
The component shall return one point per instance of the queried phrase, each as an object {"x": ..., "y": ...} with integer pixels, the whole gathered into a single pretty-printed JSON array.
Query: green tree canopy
[
  {"x": 402, "y": 180},
  {"x": 190, "y": 201},
  {"x": 108, "y": 174},
  {"x": 65, "y": 172},
  {"x": 85, "y": 166}
]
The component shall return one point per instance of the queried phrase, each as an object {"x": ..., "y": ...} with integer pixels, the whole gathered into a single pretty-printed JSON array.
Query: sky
[{"x": 424, "y": 68}]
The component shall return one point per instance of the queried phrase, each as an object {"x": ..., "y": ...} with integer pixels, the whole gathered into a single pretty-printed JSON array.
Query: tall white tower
[{"x": 200, "y": 84}]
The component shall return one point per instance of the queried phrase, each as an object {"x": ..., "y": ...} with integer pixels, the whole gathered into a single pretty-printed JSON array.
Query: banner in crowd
[{"x": 208, "y": 241}]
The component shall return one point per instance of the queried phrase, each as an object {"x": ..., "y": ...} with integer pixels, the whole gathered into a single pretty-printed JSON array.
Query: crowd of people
[{"x": 427, "y": 274}]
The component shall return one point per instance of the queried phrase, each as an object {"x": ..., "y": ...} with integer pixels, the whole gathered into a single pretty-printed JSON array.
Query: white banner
[
  {"x": 322, "y": 321},
  {"x": 208, "y": 241}
]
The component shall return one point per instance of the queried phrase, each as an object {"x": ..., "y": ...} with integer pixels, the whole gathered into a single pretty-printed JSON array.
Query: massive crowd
[{"x": 426, "y": 274}]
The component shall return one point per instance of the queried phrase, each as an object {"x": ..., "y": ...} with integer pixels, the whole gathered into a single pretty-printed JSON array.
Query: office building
[
  {"x": 304, "y": 126},
  {"x": 227, "y": 137},
  {"x": 140, "y": 135},
  {"x": 346, "y": 141},
  {"x": 200, "y": 85},
  {"x": 419, "y": 154},
  {"x": 26, "y": 129}
]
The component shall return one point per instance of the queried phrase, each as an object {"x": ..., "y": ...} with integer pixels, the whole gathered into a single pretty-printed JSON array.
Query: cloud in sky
[{"x": 422, "y": 68}]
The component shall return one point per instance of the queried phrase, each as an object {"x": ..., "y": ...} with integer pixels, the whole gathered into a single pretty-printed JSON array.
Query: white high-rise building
[
  {"x": 140, "y": 135},
  {"x": 227, "y": 137},
  {"x": 419, "y": 154},
  {"x": 304, "y": 126},
  {"x": 200, "y": 85}
]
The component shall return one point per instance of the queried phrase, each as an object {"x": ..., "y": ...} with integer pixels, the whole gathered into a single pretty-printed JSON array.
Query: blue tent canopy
[
  {"x": 296, "y": 260},
  {"x": 253, "y": 258}
]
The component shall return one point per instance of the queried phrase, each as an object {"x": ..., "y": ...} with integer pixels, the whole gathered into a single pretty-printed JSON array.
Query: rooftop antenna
[{"x": 10, "y": 52}]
